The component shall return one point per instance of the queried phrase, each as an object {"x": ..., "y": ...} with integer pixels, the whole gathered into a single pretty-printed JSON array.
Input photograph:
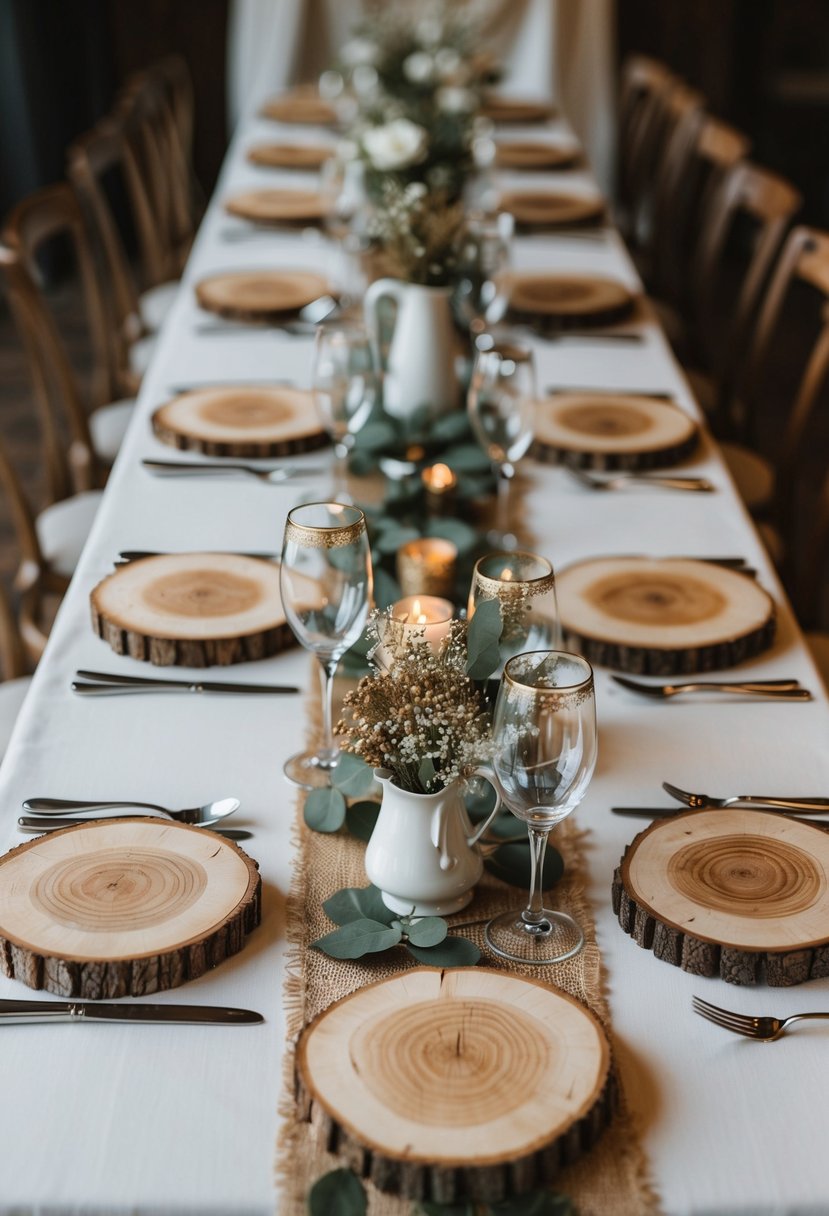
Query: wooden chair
[
  {"x": 15, "y": 682},
  {"x": 645, "y": 85},
  {"x": 95, "y": 422},
  {"x": 96, "y": 160},
  {"x": 700, "y": 153},
  {"x": 804, "y": 261}
]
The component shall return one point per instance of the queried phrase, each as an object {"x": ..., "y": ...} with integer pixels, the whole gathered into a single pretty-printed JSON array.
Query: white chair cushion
[
  {"x": 62, "y": 530},
  {"x": 108, "y": 425},
  {"x": 141, "y": 353},
  {"x": 752, "y": 473},
  {"x": 12, "y": 695},
  {"x": 818, "y": 643},
  {"x": 156, "y": 303}
]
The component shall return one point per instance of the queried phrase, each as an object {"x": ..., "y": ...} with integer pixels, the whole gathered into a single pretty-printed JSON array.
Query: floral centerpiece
[
  {"x": 419, "y": 715},
  {"x": 419, "y": 233}
]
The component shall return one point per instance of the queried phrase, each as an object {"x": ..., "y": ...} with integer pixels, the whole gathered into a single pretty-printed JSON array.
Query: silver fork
[
  {"x": 621, "y": 480},
  {"x": 776, "y": 690},
  {"x": 766, "y": 1029},
  {"x": 703, "y": 801},
  {"x": 181, "y": 468}
]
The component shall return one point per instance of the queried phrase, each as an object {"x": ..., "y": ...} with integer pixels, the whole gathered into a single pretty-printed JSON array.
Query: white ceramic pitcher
[
  {"x": 422, "y": 853},
  {"x": 420, "y": 367}
]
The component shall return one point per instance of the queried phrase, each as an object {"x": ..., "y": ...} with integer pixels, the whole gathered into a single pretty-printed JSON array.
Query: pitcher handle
[
  {"x": 482, "y": 827},
  {"x": 377, "y": 291}
]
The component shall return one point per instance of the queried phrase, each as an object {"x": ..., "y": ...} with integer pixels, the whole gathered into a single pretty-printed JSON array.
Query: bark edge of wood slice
[
  {"x": 260, "y": 295},
  {"x": 245, "y": 421},
  {"x": 192, "y": 610},
  {"x": 754, "y": 886},
  {"x": 663, "y": 616},
  {"x": 565, "y": 300},
  {"x": 535, "y": 154},
  {"x": 609, "y": 431},
  {"x": 417, "y": 1080},
  {"x": 551, "y": 208},
  {"x": 124, "y": 907}
]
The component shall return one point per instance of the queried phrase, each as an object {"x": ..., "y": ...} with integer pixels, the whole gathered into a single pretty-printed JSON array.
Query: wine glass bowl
[
  {"x": 524, "y": 585},
  {"x": 326, "y": 586},
  {"x": 344, "y": 381},
  {"x": 501, "y": 406},
  {"x": 545, "y": 738}
]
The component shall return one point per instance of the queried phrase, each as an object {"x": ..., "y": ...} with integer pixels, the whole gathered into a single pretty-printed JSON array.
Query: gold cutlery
[
  {"x": 768, "y": 801},
  {"x": 774, "y": 690},
  {"x": 620, "y": 481}
]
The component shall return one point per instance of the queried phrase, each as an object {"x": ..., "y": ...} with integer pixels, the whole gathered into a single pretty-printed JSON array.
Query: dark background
[{"x": 763, "y": 65}]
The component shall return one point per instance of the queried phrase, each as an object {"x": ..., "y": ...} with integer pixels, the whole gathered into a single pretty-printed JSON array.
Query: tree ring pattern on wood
[
  {"x": 260, "y": 295},
  {"x": 742, "y": 894},
  {"x": 545, "y": 208},
  {"x": 290, "y": 156},
  {"x": 534, "y": 154},
  {"x": 607, "y": 431},
  {"x": 243, "y": 421},
  {"x": 278, "y": 206},
  {"x": 569, "y": 299}
]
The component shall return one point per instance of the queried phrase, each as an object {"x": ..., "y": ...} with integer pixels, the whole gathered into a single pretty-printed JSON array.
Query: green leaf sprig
[
  {"x": 326, "y": 809},
  {"x": 367, "y": 926},
  {"x": 341, "y": 1193}
]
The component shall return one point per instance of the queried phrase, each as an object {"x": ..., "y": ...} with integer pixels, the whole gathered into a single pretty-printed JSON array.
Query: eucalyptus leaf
[
  {"x": 512, "y": 864},
  {"x": 393, "y": 538},
  {"x": 424, "y": 1208},
  {"x": 357, "y": 938},
  {"x": 536, "y": 1203},
  {"x": 362, "y": 463},
  {"x": 376, "y": 435},
  {"x": 462, "y": 535},
  {"x": 451, "y": 952},
  {"x": 357, "y": 903},
  {"x": 482, "y": 638},
  {"x": 479, "y": 799},
  {"x": 324, "y": 810},
  {"x": 426, "y": 931},
  {"x": 339, "y": 1193},
  {"x": 386, "y": 589},
  {"x": 450, "y": 428},
  {"x": 360, "y": 819},
  {"x": 467, "y": 458},
  {"x": 426, "y": 772},
  {"x": 352, "y": 776}
]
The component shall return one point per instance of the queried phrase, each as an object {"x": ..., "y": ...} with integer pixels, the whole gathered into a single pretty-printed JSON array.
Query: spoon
[{"x": 200, "y": 816}]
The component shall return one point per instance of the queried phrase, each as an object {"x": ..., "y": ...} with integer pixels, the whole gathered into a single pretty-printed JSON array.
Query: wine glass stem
[
  {"x": 503, "y": 473},
  {"x": 534, "y": 912},
  {"x": 329, "y": 752},
  {"x": 340, "y": 469}
]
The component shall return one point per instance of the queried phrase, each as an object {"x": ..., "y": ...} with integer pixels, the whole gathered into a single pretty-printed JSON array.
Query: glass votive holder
[
  {"x": 440, "y": 485},
  {"x": 427, "y": 567}
]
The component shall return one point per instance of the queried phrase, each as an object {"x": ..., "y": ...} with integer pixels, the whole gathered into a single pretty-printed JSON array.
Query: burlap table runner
[{"x": 611, "y": 1180}]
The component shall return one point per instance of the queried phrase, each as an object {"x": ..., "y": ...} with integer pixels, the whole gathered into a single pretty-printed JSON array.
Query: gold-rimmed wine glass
[
  {"x": 524, "y": 584},
  {"x": 545, "y": 737},
  {"x": 501, "y": 405},
  {"x": 326, "y": 584},
  {"x": 344, "y": 380}
]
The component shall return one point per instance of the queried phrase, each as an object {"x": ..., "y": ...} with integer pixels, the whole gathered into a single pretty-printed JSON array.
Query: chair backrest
[
  {"x": 645, "y": 85},
  {"x": 91, "y": 161},
  {"x": 701, "y": 151},
  {"x": 48, "y": 214},
  {"x": 724, "y": 313},
  {"x": 31, "y": 581}
]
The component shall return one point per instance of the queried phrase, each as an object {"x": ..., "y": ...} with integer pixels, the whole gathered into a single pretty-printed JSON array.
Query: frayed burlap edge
[{"x": 612, "y": 1180}]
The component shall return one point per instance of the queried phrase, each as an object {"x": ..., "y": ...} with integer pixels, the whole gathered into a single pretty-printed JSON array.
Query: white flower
[
  {"x": 397, "y": 145},
  {"x": 359, "y": 50},
  {"x": 447, "y": 62},
  {"x": 415, "y": 191},
  {"x": 454, "y": 100},
  {"x": 419, "y": 67},
  {"x": 429, "y": 30}
]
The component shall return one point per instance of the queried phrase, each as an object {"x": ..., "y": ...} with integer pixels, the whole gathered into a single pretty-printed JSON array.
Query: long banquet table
[{"x": 149, "y": 1119}]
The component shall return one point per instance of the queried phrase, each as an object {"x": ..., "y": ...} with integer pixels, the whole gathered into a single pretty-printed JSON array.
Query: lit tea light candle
[
  {"x": 427, "y": 567},
  {"x": 440, "y": 484},
  {"x": 425, "y": 616}
]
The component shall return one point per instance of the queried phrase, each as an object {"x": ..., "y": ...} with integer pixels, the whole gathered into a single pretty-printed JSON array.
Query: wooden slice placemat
[
  {"x": 742, "y": 894},
  {"x": 663, "y": 616},
  {"x": 612, "y": 431},
  {"x": 192, "y": 609},
  {"x": 278, "y": 206},
  {"x": 248, "y": 421},
  {"x": 300, "y": 105},
  {"x": 548, "y": 209},
  {"x": 573, "y": 299},
  {"x": 124, "y": 907},
  {"x": 290, "y": 156},
  {"x": 535, "y": 154},
  {"x": 257, "y": 295},
  {"x": 516, "y": 109},
  {"x": 489, "y": 1074}
]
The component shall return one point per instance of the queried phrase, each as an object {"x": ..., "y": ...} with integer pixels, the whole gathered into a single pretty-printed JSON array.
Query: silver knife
[
  {"x": 93, "y": 1011},
  {"x": 134, "y": 555},
  {"x": 275, "y": 474},
  {"x": 51, "y": 823},
  {"x": 104, "y": 681},
  {"x": 645, "y": 812}
]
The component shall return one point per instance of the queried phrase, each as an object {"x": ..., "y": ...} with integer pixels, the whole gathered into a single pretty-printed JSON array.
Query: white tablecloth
[{"x": 184, "y": 1119}]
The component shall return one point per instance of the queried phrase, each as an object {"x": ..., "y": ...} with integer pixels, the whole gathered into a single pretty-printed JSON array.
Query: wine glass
[
  {"x": 345, "y": 388},
  {"x": 479, "y": 297},
  {"x": 545, "y": 753},
  {"x": 524, "y": 585},
  {"x": 501, "y": 405},
  {"x": 326, "y": 583}
]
